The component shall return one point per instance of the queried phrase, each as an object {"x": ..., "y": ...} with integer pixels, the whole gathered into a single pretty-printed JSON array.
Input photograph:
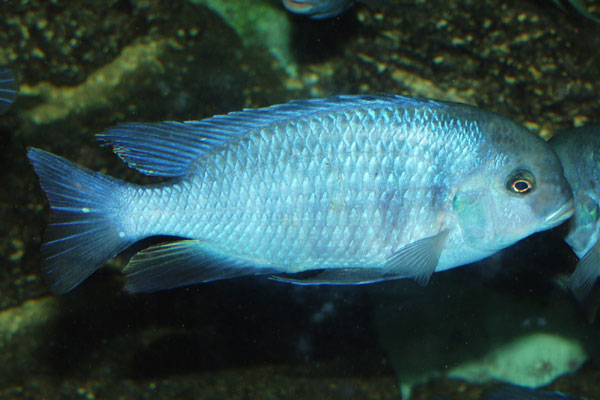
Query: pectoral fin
[
  {"x": 586, "y": 273},
  {"x": 417, "y": 260}
]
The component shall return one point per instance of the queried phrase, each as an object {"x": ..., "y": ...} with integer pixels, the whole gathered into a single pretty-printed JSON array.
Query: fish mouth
[
  {"x": 297, "y": 6},
  {"x": 564, "y": 212}
]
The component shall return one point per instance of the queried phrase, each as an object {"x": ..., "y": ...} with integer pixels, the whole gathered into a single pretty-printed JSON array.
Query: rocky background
[{"x": 85, "y": 66}]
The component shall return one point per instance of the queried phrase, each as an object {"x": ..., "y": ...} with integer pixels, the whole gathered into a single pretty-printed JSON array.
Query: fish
[
  {"x": 318, "y": 9},
  {"x": 346, "y": 190},
  {"x": 8, "y": 89},
  {"x": 579, "y": 6},
  {"x": 579, "y": 152},
  {"x": 514, "y": 392}
]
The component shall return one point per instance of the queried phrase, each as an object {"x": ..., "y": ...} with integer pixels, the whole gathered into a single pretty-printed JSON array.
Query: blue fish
[
  {"x": 343, "y": 190},
  {"x": 513, "y": 392},
  {"x": 579, "y": 152},
  {"x": 8, "y": 89},
  {"x": 579, "y": 6},
  {"x": 318, "y": 9}
]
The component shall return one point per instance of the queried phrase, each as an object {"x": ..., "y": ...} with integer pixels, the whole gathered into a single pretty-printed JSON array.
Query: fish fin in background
[
  {"x": 416, "y": 260},
  {"x": 586, "y": 273},
  {"x": 8, "y": 89},
  {"x": 184, "y": 262},
  {"x": 82, "y": 234},
  {"x": 515, "y": 392},
  {"x": 169, "y": 148}
]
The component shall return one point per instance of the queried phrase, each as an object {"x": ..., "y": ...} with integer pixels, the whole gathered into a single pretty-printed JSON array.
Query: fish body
[
  {"x": 579, "y": 152},
  {"x": 514, "y": 392},
  {"x": 8, "y": 89},
  {"x": 346, "y": 190},
  {"x": 318, "y": 9}
]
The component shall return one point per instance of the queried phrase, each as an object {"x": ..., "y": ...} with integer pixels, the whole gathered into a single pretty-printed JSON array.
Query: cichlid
[
  {"x": 353, "y": 189},
  {"x": 318, "y": 9},
  {"x": 579, "y": 152},
  {"x": 8, "y": 89}
]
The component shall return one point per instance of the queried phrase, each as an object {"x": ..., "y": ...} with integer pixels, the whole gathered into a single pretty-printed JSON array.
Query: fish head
[
  {"x": 517, "y": 189},
  {"x": 317, "y": 9},
  {"x": 579, "y": 152}
]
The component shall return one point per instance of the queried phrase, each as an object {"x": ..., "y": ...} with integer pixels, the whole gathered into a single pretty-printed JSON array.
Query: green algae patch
[
  {"x": 533, "y": 360},
  {"x": 99, "y": 90},
  {"x": 32, "y": 314},
  {"x": 22, "y": 335}
]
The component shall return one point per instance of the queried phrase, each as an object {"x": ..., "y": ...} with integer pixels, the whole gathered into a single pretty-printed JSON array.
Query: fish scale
[
  {"x": 350, "y": 189},
  {"x": 237, "y": 162}
]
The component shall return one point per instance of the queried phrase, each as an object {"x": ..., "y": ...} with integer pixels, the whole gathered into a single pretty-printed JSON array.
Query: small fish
[
  {"x": 318, "y": 9},
  {"x": 8, "y": 89},
  {"x": 342, "y": 190},
  {"x": 514, "y": 392},
  {"x": 578, "y": 5},
  {"x": 579, "y": 152}
]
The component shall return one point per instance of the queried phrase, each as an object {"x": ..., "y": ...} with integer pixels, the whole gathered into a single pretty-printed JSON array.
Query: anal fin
[{"x": 182, "y": 263}]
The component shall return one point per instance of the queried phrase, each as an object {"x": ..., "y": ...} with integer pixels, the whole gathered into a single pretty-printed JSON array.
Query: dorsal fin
[{"x": 168, "y": 148}]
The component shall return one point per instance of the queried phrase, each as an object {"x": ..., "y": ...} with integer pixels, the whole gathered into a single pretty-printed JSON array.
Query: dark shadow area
[
  {"x": 319, "y": 40},
  {"x": 256, "y": 321},
  {"x": 566, "y": 8},
  {"x": 219, "y": 325},
  {"x": 536, "y": 263}
]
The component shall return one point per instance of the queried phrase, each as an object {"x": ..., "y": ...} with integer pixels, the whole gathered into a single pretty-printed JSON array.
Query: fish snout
[
  {"x": 556, "y": 203},
  {"x": 563, "y": 213}
]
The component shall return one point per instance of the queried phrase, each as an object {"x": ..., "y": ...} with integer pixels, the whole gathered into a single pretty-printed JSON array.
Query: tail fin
[{"x": 84, "y": 229}]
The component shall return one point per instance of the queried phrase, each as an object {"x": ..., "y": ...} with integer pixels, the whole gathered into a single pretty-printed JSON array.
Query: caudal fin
[{"x": 84, "y": 229}]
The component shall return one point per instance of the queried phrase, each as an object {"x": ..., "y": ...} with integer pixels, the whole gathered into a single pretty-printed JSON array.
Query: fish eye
[{"x": 520, "y": 182}]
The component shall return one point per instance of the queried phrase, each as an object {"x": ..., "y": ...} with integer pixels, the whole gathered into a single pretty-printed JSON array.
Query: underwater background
[{"x": 84, "y": 66}]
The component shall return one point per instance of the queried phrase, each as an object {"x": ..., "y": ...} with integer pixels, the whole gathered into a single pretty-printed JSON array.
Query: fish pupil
[{"x": 521, "y": 186}]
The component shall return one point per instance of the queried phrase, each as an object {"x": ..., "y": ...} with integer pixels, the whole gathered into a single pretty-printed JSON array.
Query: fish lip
[
  {"x": 565, "y": 211},
  {"x": 297, "y": 6}
]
